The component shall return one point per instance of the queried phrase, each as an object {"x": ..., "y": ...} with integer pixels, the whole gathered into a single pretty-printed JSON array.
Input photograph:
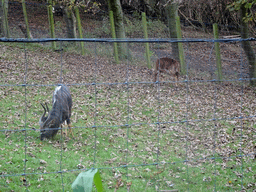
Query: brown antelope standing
[{"x": 167, "y": 65}]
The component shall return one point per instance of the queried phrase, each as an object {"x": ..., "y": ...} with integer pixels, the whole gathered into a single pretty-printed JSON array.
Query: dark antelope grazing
[
  {"x": 61, "y": 112},
  {"x": 167, "y": 65}
]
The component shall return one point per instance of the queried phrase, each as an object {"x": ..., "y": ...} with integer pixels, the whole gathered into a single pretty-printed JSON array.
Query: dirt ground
[{"x": 200, "y": 57}]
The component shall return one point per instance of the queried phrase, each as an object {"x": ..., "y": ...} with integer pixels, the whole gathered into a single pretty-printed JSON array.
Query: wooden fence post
[
  {"x": 51, "y": 23},
  {"x": 144, "y": 24},
  {"x": 217, "y": 51},
  {"x": 5, "y": 18},
  {"x": 180, "y": 46},
  {"x": 79, "y": 25}
]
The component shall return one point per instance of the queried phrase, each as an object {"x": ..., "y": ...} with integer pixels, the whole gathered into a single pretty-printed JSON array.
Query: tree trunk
[
  {"x": 171, "y": 13},
  {"x": 115, "y": 6},
  {"x": 6, "y": 17},
  {"x": 2, "y": 26},
  {"x": 4, "y": 29},
  {"x": 70, "y": 20},
  {"x": 23, "y": 28},
  {"x": 247, "y": 46},
  {"x": 26, "y": 19}
]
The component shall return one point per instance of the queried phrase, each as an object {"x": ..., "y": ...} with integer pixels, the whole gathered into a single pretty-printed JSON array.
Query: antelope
[
  {"x": 167, "y": 65},
  {"x": 61, "y": 112}
]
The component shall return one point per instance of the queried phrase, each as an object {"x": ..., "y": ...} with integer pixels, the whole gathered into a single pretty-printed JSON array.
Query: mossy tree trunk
[
  {"x": 171, "y": 13},
  {"x": 115, "y": 6},
  {"x": 4, "y": 28},
  {"x": 247, "y": 46},
  {"x": 79, "y": 25},
  {"x": 113, "y": 31},
  {"x": 217, "y": 52},
  {"x": 70, "y": 20},
  {"x": 2, "y": 25},
  {"x": 28, "y": 34},
  {"x": 183, "y": 68},
  {"x": 51, "y": 25}
]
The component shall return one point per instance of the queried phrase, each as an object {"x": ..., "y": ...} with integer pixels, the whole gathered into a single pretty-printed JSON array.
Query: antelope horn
[
  {"x": 41, "y": 121},
  {"x": 46, "y": 107}
]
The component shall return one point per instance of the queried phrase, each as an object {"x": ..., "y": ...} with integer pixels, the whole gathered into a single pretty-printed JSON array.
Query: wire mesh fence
[{"x": 197, "y": 134}]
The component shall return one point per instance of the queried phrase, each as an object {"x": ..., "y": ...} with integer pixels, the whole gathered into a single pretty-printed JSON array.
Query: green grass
[
  {"x": 143, "y": 142},
  {"x": 112, "y": 144}
]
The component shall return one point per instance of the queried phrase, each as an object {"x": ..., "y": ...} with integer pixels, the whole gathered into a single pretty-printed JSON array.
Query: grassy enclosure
[{"x": 196, "y": 136}]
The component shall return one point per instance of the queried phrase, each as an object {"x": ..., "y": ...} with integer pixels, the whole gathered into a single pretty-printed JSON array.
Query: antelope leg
[{"x": 70, "y": 130}]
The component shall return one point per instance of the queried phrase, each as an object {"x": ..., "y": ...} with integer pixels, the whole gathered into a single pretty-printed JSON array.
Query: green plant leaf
[
  {"x": 97, "y": 182},
  {"x": 248, "y": 5},
  {"x": 83, "y": 182}
]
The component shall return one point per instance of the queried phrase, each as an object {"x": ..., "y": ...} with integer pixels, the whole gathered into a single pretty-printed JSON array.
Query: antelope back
[{"x": 167, "y": 64}]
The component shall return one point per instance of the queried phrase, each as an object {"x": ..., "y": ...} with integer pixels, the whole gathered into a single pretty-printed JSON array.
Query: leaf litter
[{"x": 141, "y": 105}]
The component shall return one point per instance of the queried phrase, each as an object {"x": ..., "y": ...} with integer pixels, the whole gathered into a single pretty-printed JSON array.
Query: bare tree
[
  {"x": 70, "y": 20},
  {"x": 171, "y": 8},
  {"x": 115, "y": 6},
  {"x": 246, "y": 44}
]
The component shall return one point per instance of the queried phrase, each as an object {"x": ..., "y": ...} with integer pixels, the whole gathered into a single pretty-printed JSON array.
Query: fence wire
[{"x": 196, "y": 135}]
